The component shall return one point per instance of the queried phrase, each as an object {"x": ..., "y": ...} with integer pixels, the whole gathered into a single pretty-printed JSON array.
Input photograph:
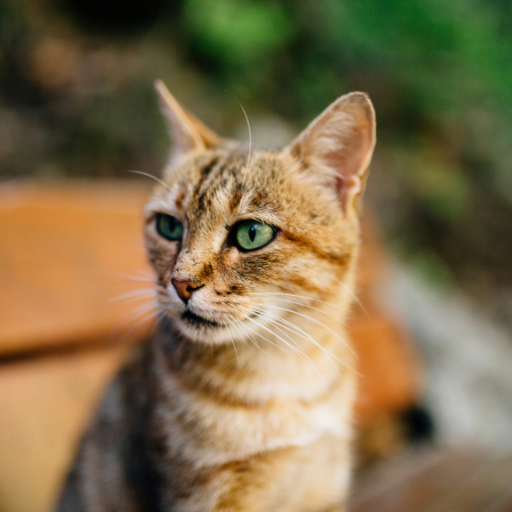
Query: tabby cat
[{"x": 242, "y": 399}]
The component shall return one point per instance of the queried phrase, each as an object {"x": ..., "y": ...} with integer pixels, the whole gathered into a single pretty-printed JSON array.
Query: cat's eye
[
  {"x": 251, "y": 235},
  {"x": 169, "y": 227}
]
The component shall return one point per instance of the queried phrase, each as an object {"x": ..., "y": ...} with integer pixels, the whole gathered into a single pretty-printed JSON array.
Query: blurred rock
[{"x": 468, "y": 363}]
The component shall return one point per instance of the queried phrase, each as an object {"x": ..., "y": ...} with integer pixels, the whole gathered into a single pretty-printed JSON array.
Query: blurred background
[{"x": 77, "y": 103}]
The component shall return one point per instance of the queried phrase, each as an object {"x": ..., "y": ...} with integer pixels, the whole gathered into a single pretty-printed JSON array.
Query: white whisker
[
  {"x": 303, "y": 334},
  {"x": 158, "y": 180},
  {"x": 139, "y": 297},
  {"x": 152, "y": 315},
  {"x": 140, "y": 292},
  {"x": 230, "y": 153},
  {"x": 242, "y": 337},
  {"x": 256, "y": 159},
  {"x": 304, "y": 305},
  {"x": 248, "y": 125},
  {"x": 234, "y": 346},
  {"x": 142, "y": 310},
  {"x": 146, "y": 273},
  {"x": 265, "y": 338},
  {"x": 127, "y": 321},
  {"x": 290, "y": 326},
  {"x": 274, "y": 323},
  {"x": 296, "y": 350},
  {"x": 128, "y": 276},
  {"x": 245, "y": 333},
  {"x": 250, "y": 135},
  {"x": 354, "y": 296},
  {"x": 301, "y": 297},
  {"x": 316, "y": 321},
  {"x": 240, "y": 328}
]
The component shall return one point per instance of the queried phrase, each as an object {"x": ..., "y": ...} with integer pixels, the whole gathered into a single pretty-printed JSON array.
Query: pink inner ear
[
  {"x": 336, "y": 148},
  {"x": 350, "y": 162}
]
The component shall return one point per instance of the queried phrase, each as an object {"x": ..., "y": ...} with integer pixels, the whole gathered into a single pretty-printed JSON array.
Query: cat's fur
[{"x": 255, "y": 416}]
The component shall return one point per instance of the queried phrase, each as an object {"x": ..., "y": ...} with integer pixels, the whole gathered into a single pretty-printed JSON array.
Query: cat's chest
[{"x": 205, "y": 430}]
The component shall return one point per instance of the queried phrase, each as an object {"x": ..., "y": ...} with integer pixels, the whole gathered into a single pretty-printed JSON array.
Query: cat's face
[{"x": 233, "y": 239}]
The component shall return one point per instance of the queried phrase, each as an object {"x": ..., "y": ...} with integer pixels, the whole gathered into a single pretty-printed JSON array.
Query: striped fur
[{"x": 242, "y": 400}]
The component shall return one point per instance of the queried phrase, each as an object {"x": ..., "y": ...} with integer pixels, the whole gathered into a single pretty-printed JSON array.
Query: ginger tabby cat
[{"x": 242, "y": 400}]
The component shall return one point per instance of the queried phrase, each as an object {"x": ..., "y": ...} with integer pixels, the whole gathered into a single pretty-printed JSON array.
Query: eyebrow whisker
[{"x": 158, "y": 180}]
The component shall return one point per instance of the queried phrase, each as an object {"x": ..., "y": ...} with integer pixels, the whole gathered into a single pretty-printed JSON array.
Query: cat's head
[{"x": 238, "y": 236}]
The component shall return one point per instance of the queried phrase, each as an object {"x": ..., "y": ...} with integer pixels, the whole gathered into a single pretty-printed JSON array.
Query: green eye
[
  {"x": 251, "y": 235},
  {"x": 169, "y": 227}
]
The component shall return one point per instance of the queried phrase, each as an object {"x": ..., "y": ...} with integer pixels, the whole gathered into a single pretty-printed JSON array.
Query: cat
[{"x": 242, "y": 399}]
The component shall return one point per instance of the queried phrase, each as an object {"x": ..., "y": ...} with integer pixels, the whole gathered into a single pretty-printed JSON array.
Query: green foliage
[
  {"x": 429, "y": 178},
  {"x": 439, "y": 73},
  {"x": 241, "y": 31},
  {"x": 429, "y": 65}
]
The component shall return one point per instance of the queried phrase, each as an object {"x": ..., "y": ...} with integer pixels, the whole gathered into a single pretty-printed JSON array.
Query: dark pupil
[
  {"x": 252, "y": 232},
  {"x": 172, "y": 223}
]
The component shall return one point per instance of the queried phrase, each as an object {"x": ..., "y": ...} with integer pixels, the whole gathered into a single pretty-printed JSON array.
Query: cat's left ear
[
  {"x": 337, "y": 147},
  {"x": 186, "y": 131}
]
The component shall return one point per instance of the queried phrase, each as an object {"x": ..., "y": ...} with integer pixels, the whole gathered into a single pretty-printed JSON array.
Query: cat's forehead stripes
[
  {"x": 215, "y": 190},
  {"x": 221, "y": 185}
]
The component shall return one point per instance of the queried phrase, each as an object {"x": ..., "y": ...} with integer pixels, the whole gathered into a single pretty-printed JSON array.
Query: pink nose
[{"x": 185, "y": 288}]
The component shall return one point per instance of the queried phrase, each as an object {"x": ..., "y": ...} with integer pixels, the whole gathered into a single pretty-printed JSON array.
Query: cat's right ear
[{"x": 186, "y": 131}]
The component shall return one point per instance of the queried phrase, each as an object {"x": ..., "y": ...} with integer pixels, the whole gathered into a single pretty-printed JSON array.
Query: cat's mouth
[{"x": 198, "y": 321}]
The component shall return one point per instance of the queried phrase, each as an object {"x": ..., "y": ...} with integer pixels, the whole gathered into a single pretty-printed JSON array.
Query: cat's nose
[{"x": 185, "y": 288}]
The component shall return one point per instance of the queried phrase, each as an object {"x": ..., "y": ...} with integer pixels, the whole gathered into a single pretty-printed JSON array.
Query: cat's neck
[
  {"x": 221, "y": 404},
  {"x": 300, "y": 360}
]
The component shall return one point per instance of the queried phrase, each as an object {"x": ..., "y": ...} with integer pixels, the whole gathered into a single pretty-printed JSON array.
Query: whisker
[
  {"x": 245, "y": 333},
  {"x": 304, "y": 305},
  {"x": 256, "y": 159},
  {"x": 248, "y": 126},
  {"x": 301, "y": 297},
  {"x": 274, "y": 323},
  {"x": 240, "y": 328},
  {"x": 158, "y": 180},
  {"x": 265, "y": 338},
  {"x": 128, "y": 276},
  {"x": 243, "y": 337},
  {"x": 303, "y": 334},
  {"x": 328, "y": 353},
  {"x": 143, "y": 309},
  {"x": 230, "y": 153},
  {"x": 152, "y": 315},
  {"x": 126, "y": 322},
  {"x": 317, "y": 322},
  {"x": 354, "y": 296},
  {"x": 146, "y": 273},
  {"x": 141, "y": 292},
  {"x": 234, "y": 346},
  {"x": 138, "y": 297},
  {"x": 297, "y": 330},
  {"x": 297, "y": 351},
  {"x": 287, "y": 325}
]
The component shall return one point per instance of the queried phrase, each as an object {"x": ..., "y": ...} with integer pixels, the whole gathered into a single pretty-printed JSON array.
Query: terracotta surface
[
  {"x": 44, "y": 404},
  {"x": 65, "y": 252}
]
